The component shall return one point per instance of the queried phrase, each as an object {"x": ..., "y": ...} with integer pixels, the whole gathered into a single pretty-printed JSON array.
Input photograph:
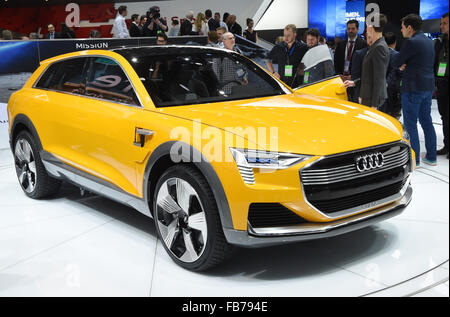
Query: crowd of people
[
  {"x": 205, "y": 23},
  {"x": 374, "y": 73}
]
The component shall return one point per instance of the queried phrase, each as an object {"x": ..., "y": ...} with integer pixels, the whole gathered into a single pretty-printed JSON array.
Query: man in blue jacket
[{"x": 416, "y": 58}]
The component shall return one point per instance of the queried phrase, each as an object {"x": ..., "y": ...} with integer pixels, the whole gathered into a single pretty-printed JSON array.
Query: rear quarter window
[
  {"x": 64, "y": 76},
  {"x": 107, "y": 80}
]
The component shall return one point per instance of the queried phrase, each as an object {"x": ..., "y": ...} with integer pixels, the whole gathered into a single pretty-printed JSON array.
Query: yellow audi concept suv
[{"x": 211, "y": 146}]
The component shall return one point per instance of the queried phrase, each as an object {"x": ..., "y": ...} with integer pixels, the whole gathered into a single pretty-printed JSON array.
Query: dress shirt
[
  {"x": 120, "y": 27},
  {"x": 348, "y": 45}
]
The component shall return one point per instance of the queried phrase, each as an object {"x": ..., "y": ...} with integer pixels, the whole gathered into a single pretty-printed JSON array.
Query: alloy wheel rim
[
  {"x": 181, "y": 220},
  {"x": 25, "y": 164}
]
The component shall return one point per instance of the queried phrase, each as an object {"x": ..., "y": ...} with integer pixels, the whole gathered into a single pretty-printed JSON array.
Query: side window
[
  {"x": 49, "y": 74},
  {"x": 65, "y": 76},
  {"x": 106, "y": 80}
]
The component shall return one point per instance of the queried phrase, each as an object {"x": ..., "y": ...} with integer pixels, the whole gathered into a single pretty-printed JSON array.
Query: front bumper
[{"x": 312, "y": 231}]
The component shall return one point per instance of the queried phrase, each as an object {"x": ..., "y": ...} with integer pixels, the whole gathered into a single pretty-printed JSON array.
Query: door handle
[{"x": 142, "y": 133}]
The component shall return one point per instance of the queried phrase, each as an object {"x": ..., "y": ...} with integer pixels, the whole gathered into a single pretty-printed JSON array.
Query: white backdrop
[
  {"x": 283, "y": 12},
  {"x": 4, "y": 139}
]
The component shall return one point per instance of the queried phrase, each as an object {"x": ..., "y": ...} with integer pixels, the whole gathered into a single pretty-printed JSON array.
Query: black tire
[
  {"x": 44, "y": 185},
  {"x": 216, "y": 250}
]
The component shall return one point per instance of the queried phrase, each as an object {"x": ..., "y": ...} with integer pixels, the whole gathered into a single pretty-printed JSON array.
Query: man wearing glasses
[{"x": 229, "y": 73}]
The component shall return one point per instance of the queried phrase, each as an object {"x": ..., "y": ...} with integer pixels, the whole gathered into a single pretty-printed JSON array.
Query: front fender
[{"x": 204, "y": 166}]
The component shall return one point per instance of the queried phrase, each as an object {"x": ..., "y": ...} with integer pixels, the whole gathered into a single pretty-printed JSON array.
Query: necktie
[{"x": 350, "y": 51}]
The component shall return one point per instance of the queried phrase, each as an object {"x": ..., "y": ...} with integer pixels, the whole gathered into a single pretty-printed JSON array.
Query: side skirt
[{"x": 60, "y": 170}]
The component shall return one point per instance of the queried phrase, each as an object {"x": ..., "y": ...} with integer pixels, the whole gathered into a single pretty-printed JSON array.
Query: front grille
[
  {"x": 335, "y": 205},
  {"x": 262, "y": 215},
  {"x": 334, "y": 185},
  {"x": 395, "y": 157}
]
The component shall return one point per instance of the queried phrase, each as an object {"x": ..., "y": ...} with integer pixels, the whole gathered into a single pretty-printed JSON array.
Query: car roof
[
  {"x": 168, "y": 49},
  {"x": 130, "y": 52}
]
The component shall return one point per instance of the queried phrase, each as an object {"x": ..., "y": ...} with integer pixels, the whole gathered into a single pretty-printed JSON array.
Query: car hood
[{"x": 306, "y": 124}]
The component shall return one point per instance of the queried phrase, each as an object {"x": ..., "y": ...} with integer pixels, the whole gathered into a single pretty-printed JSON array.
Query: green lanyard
[{"x": 442, "y": 69}]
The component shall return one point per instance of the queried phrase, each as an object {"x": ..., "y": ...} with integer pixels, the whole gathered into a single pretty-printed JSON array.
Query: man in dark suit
[
  {"x": 392, "y": 106},
  {"x": 52, "y": 34},
  {"x": 345, "y": 49},
  {"x": 416, "y": 58},
  {"x": 441, "y": 73},
  {"x": 212, "y": 23},
  {"x": 186, "y": 25},
  {"x": 233, "y": 26},
  {"x": 373, "y": 91},
  {"x": 344, "y": 52},
  {"x": 134, "y": 26},
  {"x": 357, "y": 62}
]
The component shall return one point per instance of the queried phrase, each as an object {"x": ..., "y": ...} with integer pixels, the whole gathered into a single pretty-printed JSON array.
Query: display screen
[
  {"x": 331, "y": 16},
  {"x": 318, "y": 15},
  {"x": 341, "y": 22},
  {"x": 355, "y": 10},
  {"x": 433, "y": 9}
]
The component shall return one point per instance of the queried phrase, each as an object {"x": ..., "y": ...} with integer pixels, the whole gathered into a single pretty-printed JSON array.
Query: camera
[{"x": 155, "y": 12}]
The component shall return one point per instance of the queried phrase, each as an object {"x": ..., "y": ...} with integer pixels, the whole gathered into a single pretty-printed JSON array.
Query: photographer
[{"x": 154, "y": 22}]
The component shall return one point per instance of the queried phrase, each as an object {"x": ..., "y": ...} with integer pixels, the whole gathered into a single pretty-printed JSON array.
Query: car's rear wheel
[
  {"x": 30, "y": 170},
  {"x": 187, "y": 219}
]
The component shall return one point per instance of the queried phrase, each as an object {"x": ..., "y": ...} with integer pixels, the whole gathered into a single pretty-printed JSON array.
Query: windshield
[{"x": 202, "y": 77}]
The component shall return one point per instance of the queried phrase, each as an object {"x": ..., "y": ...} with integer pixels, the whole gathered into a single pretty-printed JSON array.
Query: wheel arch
[
  {"x": 22, "y": 123},
  {"x": 160, "y": 160}
]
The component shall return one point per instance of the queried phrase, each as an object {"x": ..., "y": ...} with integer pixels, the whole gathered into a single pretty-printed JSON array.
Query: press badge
[
  {"x": 347, "y": 66},
  {"x": 288, "y": 70},
  {"x": 442, "y": 69},
  {"x": 306, "y": 78}
]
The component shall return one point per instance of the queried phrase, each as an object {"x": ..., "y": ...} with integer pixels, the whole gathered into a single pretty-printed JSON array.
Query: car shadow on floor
[
  {"x": 315, "y": 257},
  {"x": 309, "y": 258},
  {"x": 110, "y": 208}
]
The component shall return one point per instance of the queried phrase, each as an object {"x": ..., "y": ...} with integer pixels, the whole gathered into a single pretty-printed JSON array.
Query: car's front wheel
[
  {"x": 30, "y": 170},
  {"x": 187, "y": 219}
]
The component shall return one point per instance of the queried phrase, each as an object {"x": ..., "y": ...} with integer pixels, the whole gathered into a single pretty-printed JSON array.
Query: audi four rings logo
[{"x": 369, "y": 162}]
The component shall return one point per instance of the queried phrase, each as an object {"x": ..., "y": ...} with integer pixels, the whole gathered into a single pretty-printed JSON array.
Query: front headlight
[
  {"x": 405, "y": 134},
  {"x": 268, "y": 160}
]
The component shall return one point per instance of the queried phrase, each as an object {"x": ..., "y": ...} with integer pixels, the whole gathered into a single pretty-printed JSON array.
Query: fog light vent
[{"x": 247, "y": 174}]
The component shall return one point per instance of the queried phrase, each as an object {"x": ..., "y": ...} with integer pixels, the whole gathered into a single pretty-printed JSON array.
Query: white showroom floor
[{"x": 91, "y": 246}]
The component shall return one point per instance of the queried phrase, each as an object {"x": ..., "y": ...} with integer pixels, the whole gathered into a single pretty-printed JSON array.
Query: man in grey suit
[{"x": 373, "y": 91}]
